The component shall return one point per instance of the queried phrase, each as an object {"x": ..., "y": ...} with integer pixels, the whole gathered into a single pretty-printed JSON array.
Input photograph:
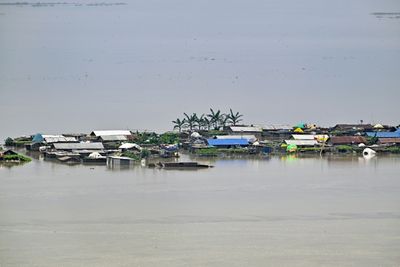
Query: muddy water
[{"x": 243, "y": 212}]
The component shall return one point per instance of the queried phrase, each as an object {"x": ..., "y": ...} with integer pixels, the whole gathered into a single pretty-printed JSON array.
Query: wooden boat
[{"x": 181, "y": 165}]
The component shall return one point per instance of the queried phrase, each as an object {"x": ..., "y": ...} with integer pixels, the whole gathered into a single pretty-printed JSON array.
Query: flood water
[{"x": 243, "y": 212}]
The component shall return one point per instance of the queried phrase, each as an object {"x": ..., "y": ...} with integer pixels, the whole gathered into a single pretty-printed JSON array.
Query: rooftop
[{"x": 228, "y": 142}]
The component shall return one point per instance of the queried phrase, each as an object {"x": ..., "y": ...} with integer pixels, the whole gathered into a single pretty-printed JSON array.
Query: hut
[
  {"x": 245, "y": 130},
  {"x": 347, "y": 140},
  {"x": 302, "y": 143},
  {"x": 276, "y": 132},
  {"x": 78, "y": 146},
  {"x": 389, "y": 141},
  {"x": 8, "y": 152},
  {"x": 228, "y": 143},
  {"x": 50, "y": 139}
]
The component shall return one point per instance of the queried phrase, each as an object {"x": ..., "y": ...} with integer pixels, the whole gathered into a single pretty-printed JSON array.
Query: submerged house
[
  {"x": 228, "y": 143},
  {"x": 250, "y": 137},
  {"x": 389, "y": 141},
  {"x": 318, "y": 137},
  {"x": 304, "y": 140},
  {"x": 302, "y": 143},
  {"x": 39, "y": 140},
  {"x": 50, "y": 139},
  {"x": 78, "y": 146},
  {"x": 276, "y": 132},
  {"x": 7, "y": 153},
  {"x": 245, "y": 130},
  {"x": 103, "y": 133},
  {"x": 347, "y": 140},
  {"x": 352, "y": 128},
  {"x": 111, "y": 138}
]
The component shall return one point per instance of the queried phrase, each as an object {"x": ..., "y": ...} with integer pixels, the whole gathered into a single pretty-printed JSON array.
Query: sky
[{"x": 141, "y": 64}]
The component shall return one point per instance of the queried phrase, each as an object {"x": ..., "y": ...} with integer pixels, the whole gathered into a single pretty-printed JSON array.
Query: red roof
[
  {"x": 345, "y": 140},
  {"x": 389, "y": 140}
]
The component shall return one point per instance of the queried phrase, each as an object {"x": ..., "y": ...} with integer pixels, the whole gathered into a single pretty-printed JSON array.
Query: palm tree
[
  {"x": 179, "y": 124},
  {"x": 214, "y": 117},
  {"x": 207, "y": 123},
  {"x": 191, "y": 120},
  {"x": 234, "y": 118},
  {"x": 199, "y": 121},
  {"x": 223, "y": 120}
]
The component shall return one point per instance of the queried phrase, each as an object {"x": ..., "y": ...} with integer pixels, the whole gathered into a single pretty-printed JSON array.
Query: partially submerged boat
[{"x": 179, "y": 165}]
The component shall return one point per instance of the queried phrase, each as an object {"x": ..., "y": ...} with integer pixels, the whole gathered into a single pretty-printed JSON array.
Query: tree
[
  {"x": 215, "y": 117},
  {"x": 223, "y": 120},
  {"x": 207, "y": 123},
  {"x": 234, "y": 118},
  {"x": 179, "y": 124},
  {"x": 191, "y": 120},
  {"x": 200, "y": 121},
  {"x": 9, "y": 141}
]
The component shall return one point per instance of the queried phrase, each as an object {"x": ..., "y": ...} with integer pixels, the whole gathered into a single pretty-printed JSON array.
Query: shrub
[
  {"x": 18, "y": 157},
  {"x": 9, "y": 141}
]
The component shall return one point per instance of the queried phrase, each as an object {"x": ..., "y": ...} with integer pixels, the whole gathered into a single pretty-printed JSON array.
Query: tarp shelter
[
  {"x": 300, "y": 125},
  {"x": 378, "y": 126},
  {"x": 395, "y": 134},
  {"x": 129, "y": 146},
  {"x": 298, "y": 130},
  {"x": 291, "y": 148},
  {"x": 95, "y": 155}
]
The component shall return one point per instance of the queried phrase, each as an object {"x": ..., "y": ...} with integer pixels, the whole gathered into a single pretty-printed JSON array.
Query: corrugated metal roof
[
  {"x": 277, "y": 127},
  {"x": 52, "y": 138},
  {"x": 78, "y": 146},
  {"x": 113, "y": 137},
  {"x": 389, "y": 140},
  {"x": 310, "y": 136},
  {"x": 245, "y": 129},
  {"x": 395, "y": 134},
  {"x": 58, "y": 139},
  {"x": 248, "y": 137},
  {"x": 302, "y": 142},
  {"x": 347, "y": 140},
  {"x": 353, "y": 126},
  {"x": 303, "y": 136},
  {"x": 227, "y": 142},
  {"x": 111, "y": 132}
]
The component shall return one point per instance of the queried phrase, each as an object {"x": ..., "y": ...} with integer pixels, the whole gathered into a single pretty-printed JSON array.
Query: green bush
[
  {"x": 9, "y": 141},
  {"x": 169, "y": 138},
  {"x": 18, "y": 157},
  {"x": 344, "y": 148},
  {"x": 145, "y": 153},
  {"x": 131, "y": 155}
]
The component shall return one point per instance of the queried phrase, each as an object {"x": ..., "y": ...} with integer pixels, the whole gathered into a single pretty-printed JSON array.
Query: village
[{"x": 212, "y": 135}]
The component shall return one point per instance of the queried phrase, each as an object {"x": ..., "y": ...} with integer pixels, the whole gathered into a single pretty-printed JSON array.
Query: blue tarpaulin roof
[
  {"x": 395, "y": 134},
  {"x": 228, "y": 142},
  {"x": 38, "y": 138}
]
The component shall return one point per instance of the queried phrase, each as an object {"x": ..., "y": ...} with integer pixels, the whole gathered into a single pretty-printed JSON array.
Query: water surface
[{"x": 244, "y": 212}]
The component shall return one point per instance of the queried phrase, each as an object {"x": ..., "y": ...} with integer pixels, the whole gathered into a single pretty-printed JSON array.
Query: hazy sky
[{"x": 68, "y": 68}]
